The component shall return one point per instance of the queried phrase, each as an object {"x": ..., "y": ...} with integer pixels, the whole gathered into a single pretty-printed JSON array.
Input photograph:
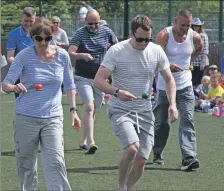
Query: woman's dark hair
[{"x": 41, "y": 25}]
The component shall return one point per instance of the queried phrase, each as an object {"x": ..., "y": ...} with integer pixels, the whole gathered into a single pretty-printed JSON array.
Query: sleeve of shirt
[
  {"x": 68, "y": 81},
  {"x": 163, "y": 60},
  {"x": 65, "y": 37},
  {"x": 11, "y": 43},
  {"x": 206, "y": 44},
  {"x": 15, "y": 70},
  {"x": 76, "y": 39},
  {"x": 113, "y": 38},
  {"x": 109, "y": 60}
]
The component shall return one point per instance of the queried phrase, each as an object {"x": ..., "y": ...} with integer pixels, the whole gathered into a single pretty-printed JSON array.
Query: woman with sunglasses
[
  {"x": 38, "y": 114},
  {"x": 59, "y": 35}
]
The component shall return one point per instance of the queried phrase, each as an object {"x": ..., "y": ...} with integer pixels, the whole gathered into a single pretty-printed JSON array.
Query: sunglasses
[
  {"x": 140, "y": 40},
  {"x": 93, "y": 24},
  {"x": 39, "y": 38},
  {"x": 183, "y": 25},
  {"x": 55, "y": 22}
]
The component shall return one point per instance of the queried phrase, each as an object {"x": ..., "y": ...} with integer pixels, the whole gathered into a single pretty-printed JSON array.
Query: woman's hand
[
  {"x": 76, "y": 122},
  {"x": 19, "y": 88}
]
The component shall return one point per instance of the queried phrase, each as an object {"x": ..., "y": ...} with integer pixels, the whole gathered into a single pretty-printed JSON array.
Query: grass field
[{"x": 99, "y": 172}]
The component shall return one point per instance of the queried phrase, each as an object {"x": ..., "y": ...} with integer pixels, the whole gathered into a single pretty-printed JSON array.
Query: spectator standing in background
[
  {"x": 82, "y": 14},
  {"x": 19, "y": 38},
  {"x": 201, "y": 63},
  {"x": 60, "y": 37}
]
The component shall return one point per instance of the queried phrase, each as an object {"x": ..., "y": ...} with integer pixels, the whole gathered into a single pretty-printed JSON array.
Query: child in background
[
  {"x": 222, "y": 81},
  {"x": 202, "y": 90},
  {"x": 220, "y": 101},
  {"x": 215, "y": 92}
]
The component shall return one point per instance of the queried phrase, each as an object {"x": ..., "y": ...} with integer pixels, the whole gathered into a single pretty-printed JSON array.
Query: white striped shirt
[
  {"x": 28, "y": 67},
  {"x": 133, "y": 70}
]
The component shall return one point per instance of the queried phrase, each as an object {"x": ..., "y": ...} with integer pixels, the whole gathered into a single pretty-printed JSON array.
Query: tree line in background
[{"x": 68, "y": 9}]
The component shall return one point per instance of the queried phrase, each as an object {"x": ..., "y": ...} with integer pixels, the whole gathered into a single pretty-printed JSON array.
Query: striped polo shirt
[
  {"x": 133, "y": 70},
  {"x": 28, "y": 67},
  {"x": 95, "y": 44}
]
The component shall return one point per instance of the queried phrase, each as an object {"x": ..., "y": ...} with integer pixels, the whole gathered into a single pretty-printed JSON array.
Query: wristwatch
[
  {"x": 116, "y": 93},
  {"x": 73, "y": 109}
]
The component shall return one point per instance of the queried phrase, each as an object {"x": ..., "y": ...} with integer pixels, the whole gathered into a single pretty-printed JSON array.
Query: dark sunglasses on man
[
  {"x": 93, "y": 23},
  {"x": 39, "y": 38},
  {"x": 140, "y": 40}
]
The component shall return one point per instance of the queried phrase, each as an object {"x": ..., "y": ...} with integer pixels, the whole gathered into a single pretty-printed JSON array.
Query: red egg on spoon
[{"x": 39, "y": 87}]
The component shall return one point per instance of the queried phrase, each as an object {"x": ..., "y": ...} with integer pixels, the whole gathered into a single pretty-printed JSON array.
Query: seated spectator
[
  {"x": 220, "y": 101},
  {"x": 201, "y": 90},
  {"x": 215, "y": 92},
  {"x": 222, "y": 81},
  {"x": 212, "y": 69}
]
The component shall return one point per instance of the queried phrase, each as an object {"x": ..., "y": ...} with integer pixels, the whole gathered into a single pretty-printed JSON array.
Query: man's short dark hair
[
  {"x": 141, "y": 21},
  {"x": 29, "y": 12},
  {"x": 184, "y": 13}
]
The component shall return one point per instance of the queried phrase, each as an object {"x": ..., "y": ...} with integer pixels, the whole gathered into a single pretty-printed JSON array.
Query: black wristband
[
  {"x": 116, "y": 93},
  {"x": 73, "y": 109}
]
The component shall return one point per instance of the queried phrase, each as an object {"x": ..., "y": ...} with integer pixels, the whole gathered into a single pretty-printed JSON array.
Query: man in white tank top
[
  {"x": 182, "y": 45},
  {"x": 132, "y": 64}
]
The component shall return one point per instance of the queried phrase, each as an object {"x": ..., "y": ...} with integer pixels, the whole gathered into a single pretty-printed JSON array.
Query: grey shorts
[
  {"x": 124, "y": 125},
  {"x": 88, "y": 92}
]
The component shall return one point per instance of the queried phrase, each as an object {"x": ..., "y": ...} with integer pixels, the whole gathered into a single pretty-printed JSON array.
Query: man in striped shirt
[
  {"x": 88, "y": 47},
  {"x": 132, "y": 64}
]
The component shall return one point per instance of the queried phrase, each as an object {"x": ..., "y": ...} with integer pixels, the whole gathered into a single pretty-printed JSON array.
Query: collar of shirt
[{"x": 23, "y": 33}]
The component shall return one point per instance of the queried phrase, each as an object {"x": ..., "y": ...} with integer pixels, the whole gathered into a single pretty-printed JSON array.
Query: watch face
[{"x": 115, "y": 94}]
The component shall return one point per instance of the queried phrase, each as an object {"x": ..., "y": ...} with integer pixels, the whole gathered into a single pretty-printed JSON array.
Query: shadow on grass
[
  {"x": 8, "y": 153},
  {"x": 11, "y": 153},
  {"x": 68, "y": 104},
  {"x": 89, "y": 170},
  {"x": 102, "y": 168}
]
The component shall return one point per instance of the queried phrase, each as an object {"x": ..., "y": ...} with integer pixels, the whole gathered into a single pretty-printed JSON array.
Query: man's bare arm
[
  {"x": 198, "y": 45},
  {"x": 10, "y": 56},
  {"x": 162, "y": 38},
  {"x": 170, "y": 86},
  {"x": 77, "y": 56},
  {"x": 100, "y": 81}
]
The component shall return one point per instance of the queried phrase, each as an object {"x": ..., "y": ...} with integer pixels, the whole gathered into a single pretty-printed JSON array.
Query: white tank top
[{"x": 180, "y": 54}]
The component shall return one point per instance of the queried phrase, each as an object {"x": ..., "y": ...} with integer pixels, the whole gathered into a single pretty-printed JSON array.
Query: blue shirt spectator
[{"x": 18, "y": 40}]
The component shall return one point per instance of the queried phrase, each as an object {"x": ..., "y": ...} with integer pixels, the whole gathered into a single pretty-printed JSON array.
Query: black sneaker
[
  {"x": 92, "y": 149},
  {"x": 158, "y": 159},
  {"x": 189, "y": 164}
]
